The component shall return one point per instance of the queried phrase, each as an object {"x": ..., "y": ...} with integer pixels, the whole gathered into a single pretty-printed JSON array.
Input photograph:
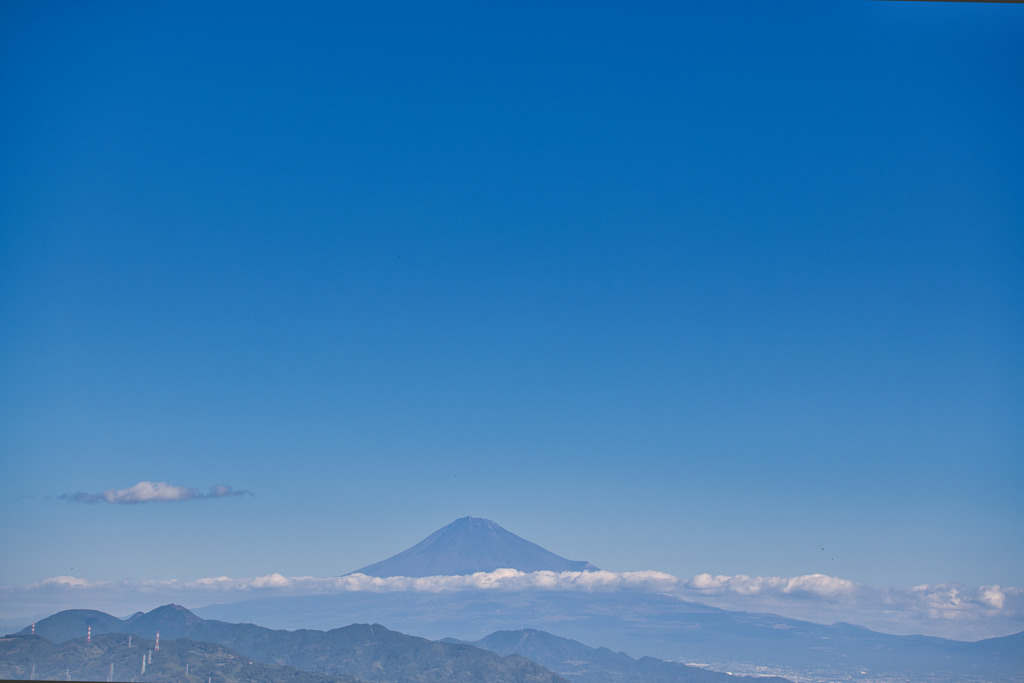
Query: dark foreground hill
[
  {"x": 110, "y": 657},
  {"x": 74, "y": 623},
  {"x": 469, "y": 545},
  {"x": 367, "y": 652},
  {"x": 584, "y": 664}
]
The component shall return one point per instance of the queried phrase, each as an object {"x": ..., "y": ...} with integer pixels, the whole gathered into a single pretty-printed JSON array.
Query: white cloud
[
  {"x": 818, "y": 585},
  {"x": 955, "y": 602},
  {"x": 500, "y": 579},
  {"x": 993, "y": 596},
  {"x": 949, "y": 610},
  {"x": 67, "y": 582},
  {"x": 146, "y": 491},
  {"x": 152, "y": 491}
]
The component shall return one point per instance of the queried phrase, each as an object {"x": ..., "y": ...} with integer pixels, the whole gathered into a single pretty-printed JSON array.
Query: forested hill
[
  {"x": 109, "y": 657},
  {"x": 369, "y": 652}
]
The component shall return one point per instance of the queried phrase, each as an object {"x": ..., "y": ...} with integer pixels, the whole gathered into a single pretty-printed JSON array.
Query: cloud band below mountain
[
  {"x": 500, "y": 579},
  {"x": 152, "y": 492},
  {"x": 820, "y": 585},
  {"x": 947, "y": 609}
]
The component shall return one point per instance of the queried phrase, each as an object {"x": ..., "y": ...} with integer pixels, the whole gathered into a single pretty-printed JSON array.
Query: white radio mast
[{"x": 143, "y": 662}]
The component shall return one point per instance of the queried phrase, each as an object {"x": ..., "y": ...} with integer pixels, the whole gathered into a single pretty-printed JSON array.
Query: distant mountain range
[
  {"x": 640, "y": 623},
  {"x": 583, "y": 664},
  {"x": 245, "y": 652},
  {"x": 469, "y": 545},
  {"x": 365, "y": 652},
  {"x": 663, "y": 626}
]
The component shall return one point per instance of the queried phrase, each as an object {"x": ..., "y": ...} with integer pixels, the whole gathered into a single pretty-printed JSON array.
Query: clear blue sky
[{"x": 691, "y": 288}]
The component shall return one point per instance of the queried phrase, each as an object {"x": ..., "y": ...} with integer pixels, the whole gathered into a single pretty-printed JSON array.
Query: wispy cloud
[{"x": 152, "y": 492}]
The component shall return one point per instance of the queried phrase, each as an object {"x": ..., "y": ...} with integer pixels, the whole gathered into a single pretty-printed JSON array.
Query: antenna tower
[
  {"x": 157, "y": 646},
  {"x": 88, "y": 635}
]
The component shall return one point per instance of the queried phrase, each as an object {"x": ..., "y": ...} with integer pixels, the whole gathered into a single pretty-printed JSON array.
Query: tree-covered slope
[
  {"x": 584, "y": 664},
  {"x": 368, "y": 652},
  {"x": 110, "y": 657}
]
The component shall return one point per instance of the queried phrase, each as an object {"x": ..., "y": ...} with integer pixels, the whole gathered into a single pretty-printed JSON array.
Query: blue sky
[{"x": 699, "y": 288}]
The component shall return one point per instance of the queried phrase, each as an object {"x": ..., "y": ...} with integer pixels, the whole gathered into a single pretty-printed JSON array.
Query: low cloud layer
[
  {"x": 945, "y": 609},
  {"x": 500, "y": 579},
  {"x": 817, "y": 585},
  {"x": 949, "y": 610},
  {"x": 937, "y": 601},
  {"x": 152, "y": 492}
]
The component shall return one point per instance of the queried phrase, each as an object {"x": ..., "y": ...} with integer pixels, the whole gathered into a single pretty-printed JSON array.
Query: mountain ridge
[
  {"x": 368, "y": 652},
  {"x": 583, "y": 664},
  {"x": 358, "y": 652},
  {"x": 658, "y": 625}
]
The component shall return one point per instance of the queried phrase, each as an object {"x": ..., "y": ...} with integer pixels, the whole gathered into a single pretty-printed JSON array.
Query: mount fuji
[
  {"x": 469, "y": 545},
  {"x": 642, "y": 622}
]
